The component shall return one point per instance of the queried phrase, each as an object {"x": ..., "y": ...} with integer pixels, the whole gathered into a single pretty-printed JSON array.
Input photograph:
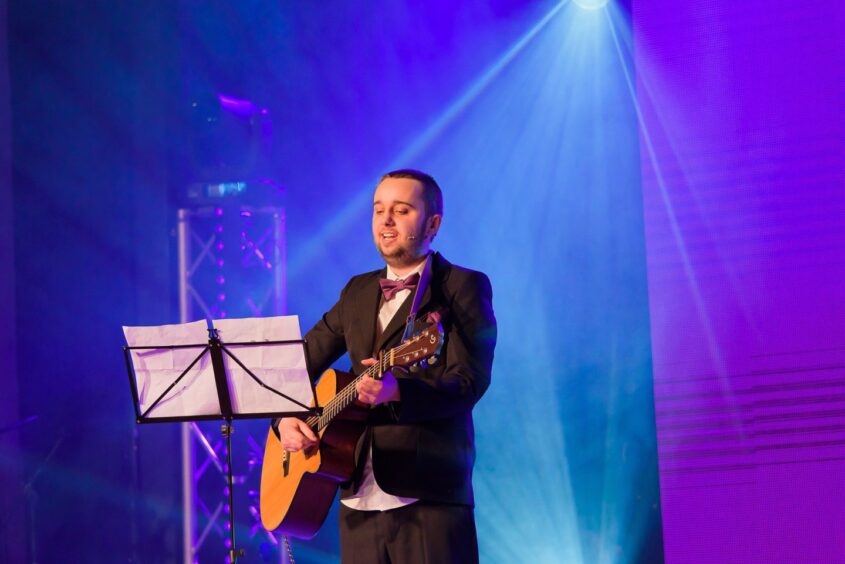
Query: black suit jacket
[{"x": 423, "y": 446}]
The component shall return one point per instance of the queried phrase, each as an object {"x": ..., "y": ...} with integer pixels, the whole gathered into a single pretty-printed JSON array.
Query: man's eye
[{"x": 401, "y": 211}]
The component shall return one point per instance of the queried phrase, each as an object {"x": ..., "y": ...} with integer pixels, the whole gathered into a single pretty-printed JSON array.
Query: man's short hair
[{"x": 432, "y": 196}]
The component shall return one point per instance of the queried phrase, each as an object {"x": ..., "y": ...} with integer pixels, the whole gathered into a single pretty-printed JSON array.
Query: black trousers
[{"x": 419, "y": 533}]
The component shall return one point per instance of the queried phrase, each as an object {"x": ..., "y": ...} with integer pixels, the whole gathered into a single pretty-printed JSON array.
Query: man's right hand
[{"x": 295, "y": 435}]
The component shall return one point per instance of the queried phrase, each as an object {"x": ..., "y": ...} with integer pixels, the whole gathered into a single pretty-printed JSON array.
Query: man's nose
[{"x": 388, "y": 218}]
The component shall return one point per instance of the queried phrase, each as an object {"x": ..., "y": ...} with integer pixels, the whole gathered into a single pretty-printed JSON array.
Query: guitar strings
[
  {"x": 349, "y": 393},
  {"x": 346, "y": 396}
]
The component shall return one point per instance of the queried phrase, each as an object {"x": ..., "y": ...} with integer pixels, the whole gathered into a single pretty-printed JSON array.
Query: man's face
[{"x": 400, "y": 229}]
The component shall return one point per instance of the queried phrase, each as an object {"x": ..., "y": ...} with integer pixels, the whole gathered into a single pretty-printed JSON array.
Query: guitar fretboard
[{"x": 402, "y": 355}]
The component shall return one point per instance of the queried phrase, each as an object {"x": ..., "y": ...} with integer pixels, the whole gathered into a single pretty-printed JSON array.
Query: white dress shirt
[{"x": 370, "y": 497}]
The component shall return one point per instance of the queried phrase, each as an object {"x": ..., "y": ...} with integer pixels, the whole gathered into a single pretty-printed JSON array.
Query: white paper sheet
[
  {"x": 156, "y": 369},
  {"x": 281, "y": 367}
]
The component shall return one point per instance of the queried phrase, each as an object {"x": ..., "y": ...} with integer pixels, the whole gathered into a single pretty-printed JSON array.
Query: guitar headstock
[{"x": 425, "y": 344}]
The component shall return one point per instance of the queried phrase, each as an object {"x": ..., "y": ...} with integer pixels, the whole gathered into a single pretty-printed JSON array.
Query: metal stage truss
[{"x": 231, "y": 264}]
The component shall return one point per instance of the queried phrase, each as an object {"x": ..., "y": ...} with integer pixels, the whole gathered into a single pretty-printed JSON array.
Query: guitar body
[{"x": 297, "y": 488}]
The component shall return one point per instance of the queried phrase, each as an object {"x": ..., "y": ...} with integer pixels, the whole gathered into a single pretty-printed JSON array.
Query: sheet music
[
  {"x": 156, "y": 369},
  {"x": 281, "y": 367}
]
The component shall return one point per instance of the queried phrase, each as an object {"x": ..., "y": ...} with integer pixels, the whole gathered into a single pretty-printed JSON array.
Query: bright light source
[{"x": 591, "y": 4}]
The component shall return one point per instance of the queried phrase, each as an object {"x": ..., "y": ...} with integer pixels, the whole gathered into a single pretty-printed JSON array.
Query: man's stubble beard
[{"x": 401, "y": 256}]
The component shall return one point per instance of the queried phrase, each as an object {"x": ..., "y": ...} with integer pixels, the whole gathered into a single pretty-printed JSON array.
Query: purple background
[{"x": 743, "y": 160}]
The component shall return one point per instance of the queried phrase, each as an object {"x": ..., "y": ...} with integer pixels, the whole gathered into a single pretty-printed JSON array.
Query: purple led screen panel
[{"x": 742, "y": 144}]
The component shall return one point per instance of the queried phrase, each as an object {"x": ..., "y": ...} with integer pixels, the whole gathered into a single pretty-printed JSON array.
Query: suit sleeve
[
  {"x": 325, "y": 341},
  {"x": 439, "y": 391}
]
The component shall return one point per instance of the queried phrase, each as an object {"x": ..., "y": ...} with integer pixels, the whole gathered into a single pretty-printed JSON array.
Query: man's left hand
[{"x": 375, "y": 392}]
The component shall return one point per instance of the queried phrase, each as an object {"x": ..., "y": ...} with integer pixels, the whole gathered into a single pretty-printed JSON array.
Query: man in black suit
[{"x": 411, "y": 498}]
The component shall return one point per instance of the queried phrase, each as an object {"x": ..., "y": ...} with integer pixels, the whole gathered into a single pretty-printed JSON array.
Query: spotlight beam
[
  {"x": 689, "y": 269},
  {"x": 591, "y": 4},
  {"x": 350, "y": 212}
]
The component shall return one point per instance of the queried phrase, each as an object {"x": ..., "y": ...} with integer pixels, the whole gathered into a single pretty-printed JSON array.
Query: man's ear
[{"x": 433, "y": 225}]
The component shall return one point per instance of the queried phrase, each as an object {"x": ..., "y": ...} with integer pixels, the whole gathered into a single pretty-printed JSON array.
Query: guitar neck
[
  {"x": 411, "y": 351},
  {"x": 348, "y": 394}
]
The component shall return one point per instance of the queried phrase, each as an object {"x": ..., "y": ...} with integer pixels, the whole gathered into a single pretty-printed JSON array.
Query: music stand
[{"x": 234, "y": 398}]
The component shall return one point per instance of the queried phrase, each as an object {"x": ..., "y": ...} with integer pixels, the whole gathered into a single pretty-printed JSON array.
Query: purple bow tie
[{"x": 391, "y": 287}]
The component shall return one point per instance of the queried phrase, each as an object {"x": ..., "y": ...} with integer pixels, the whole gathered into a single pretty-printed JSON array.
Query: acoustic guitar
[{"x": 297, "y": 488}]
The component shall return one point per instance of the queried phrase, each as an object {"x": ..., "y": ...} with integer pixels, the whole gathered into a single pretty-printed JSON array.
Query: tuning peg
[{"x": 432, "y": 359}]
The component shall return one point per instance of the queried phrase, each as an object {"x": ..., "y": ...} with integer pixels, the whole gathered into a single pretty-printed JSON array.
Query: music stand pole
[
  {"x": 216, "y": 351},
  {"x": 227, "y": 430}
]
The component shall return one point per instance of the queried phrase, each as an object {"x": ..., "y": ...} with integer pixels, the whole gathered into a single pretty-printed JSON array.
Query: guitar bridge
[{"x": 285, "y": 463}]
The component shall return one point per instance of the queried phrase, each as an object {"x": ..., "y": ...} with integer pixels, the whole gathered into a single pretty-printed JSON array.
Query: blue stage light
[{"x": 591, "y": 4}]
